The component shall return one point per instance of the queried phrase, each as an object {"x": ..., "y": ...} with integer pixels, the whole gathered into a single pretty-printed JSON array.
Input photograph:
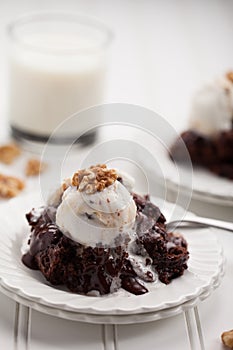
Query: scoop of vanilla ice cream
[
  {"x": 212, "y": 108},
  {"x": 99, "y": 217}
]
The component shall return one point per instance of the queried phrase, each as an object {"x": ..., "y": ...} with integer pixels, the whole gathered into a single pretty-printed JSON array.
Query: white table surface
[{"x": 162, "y": 53}]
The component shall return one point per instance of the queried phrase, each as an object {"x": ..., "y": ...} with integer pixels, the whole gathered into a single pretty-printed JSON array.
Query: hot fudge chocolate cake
[{"x": 95, "y": 235}]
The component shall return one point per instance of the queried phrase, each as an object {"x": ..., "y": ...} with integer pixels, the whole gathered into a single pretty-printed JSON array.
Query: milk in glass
[{"x": 51, "y": 77}]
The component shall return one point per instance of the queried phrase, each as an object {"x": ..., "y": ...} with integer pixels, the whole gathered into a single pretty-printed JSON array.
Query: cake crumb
[
  {"x": 8, "y": 153},
  {"x": 10, "y": 186},
  {"x": 34, "y": 167},
  {"x": 227, "y": 338}
]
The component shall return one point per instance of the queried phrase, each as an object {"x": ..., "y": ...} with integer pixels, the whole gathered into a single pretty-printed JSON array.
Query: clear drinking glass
[{"x": 57, "y": 67}]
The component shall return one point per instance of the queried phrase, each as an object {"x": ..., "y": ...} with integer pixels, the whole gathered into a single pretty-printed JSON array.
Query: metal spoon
[{"x": 200, "y": 222}]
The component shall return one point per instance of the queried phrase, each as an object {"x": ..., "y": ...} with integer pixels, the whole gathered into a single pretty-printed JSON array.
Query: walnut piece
[
  {"x": 94, "y": 179},
  {"x": 34, "y": 167},
  {"x": 229, "y": 76},
  {"x": 227, "y": 338},
  {"x": 8, "y": 153},
  {"x": 10, "y": 186}
]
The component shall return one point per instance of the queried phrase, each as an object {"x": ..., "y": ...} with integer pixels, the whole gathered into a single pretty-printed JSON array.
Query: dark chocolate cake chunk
[
  {"x": 214, "y": 153},
  {"x": 148, "y": 209},
  {"x": 169, "y": 254},
  {"x": 168, "y": 251},
  {"x": 201, "y": 149},
  {"x": 224, "y": 146}
]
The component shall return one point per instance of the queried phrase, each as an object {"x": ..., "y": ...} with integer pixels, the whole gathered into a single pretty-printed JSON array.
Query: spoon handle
[{"x": 205, "y": 221}]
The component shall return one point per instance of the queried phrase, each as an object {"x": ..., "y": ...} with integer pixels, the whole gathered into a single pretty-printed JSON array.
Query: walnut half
[
  {"x": 227, "y": 338},
  {"x": 8, "y": 153},
  {"x": 10, "y": 186},
  {"x": 229, "y": 76},
  {"x": 34, "y": 167}
]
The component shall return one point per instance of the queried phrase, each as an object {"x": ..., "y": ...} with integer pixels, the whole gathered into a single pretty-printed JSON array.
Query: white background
[{"x": 163, "y": 51}]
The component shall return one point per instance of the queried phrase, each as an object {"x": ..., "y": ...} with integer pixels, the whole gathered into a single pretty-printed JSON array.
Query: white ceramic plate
[
  {"x": 198, "y": 182},
  {"x": 207, "y": 187},
  {"x": 205, "y": 267},
  {"x": 112, "y": 319}
]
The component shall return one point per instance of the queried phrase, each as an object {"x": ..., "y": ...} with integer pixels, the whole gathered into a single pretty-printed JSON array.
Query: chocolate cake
[
  {"x": 214, "y": 153},
  {"x": 209, "y": 135},
  {"x": 83, "y": 269}
]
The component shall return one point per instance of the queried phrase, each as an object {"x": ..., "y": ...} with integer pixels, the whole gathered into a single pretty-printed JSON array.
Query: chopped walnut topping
[
  {"x": 229, "y": 76},
  {"x": 8, "y": 153},
  {"x": 10, "y": 186},
  {"x": 227, "y": 339},
  {"x": 34, "y": 167},
  {"x": 94, "y": 179},
  {"x": 64, "y": 186}
]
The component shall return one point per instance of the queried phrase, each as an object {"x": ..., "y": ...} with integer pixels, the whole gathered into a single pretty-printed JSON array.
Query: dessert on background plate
[
  {"x": 209, "y": 138},
  {"x": 95, "y": 235}
]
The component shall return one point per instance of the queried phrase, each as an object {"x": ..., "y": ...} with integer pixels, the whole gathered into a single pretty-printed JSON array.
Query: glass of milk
[{"x": 57, "y": 67}]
